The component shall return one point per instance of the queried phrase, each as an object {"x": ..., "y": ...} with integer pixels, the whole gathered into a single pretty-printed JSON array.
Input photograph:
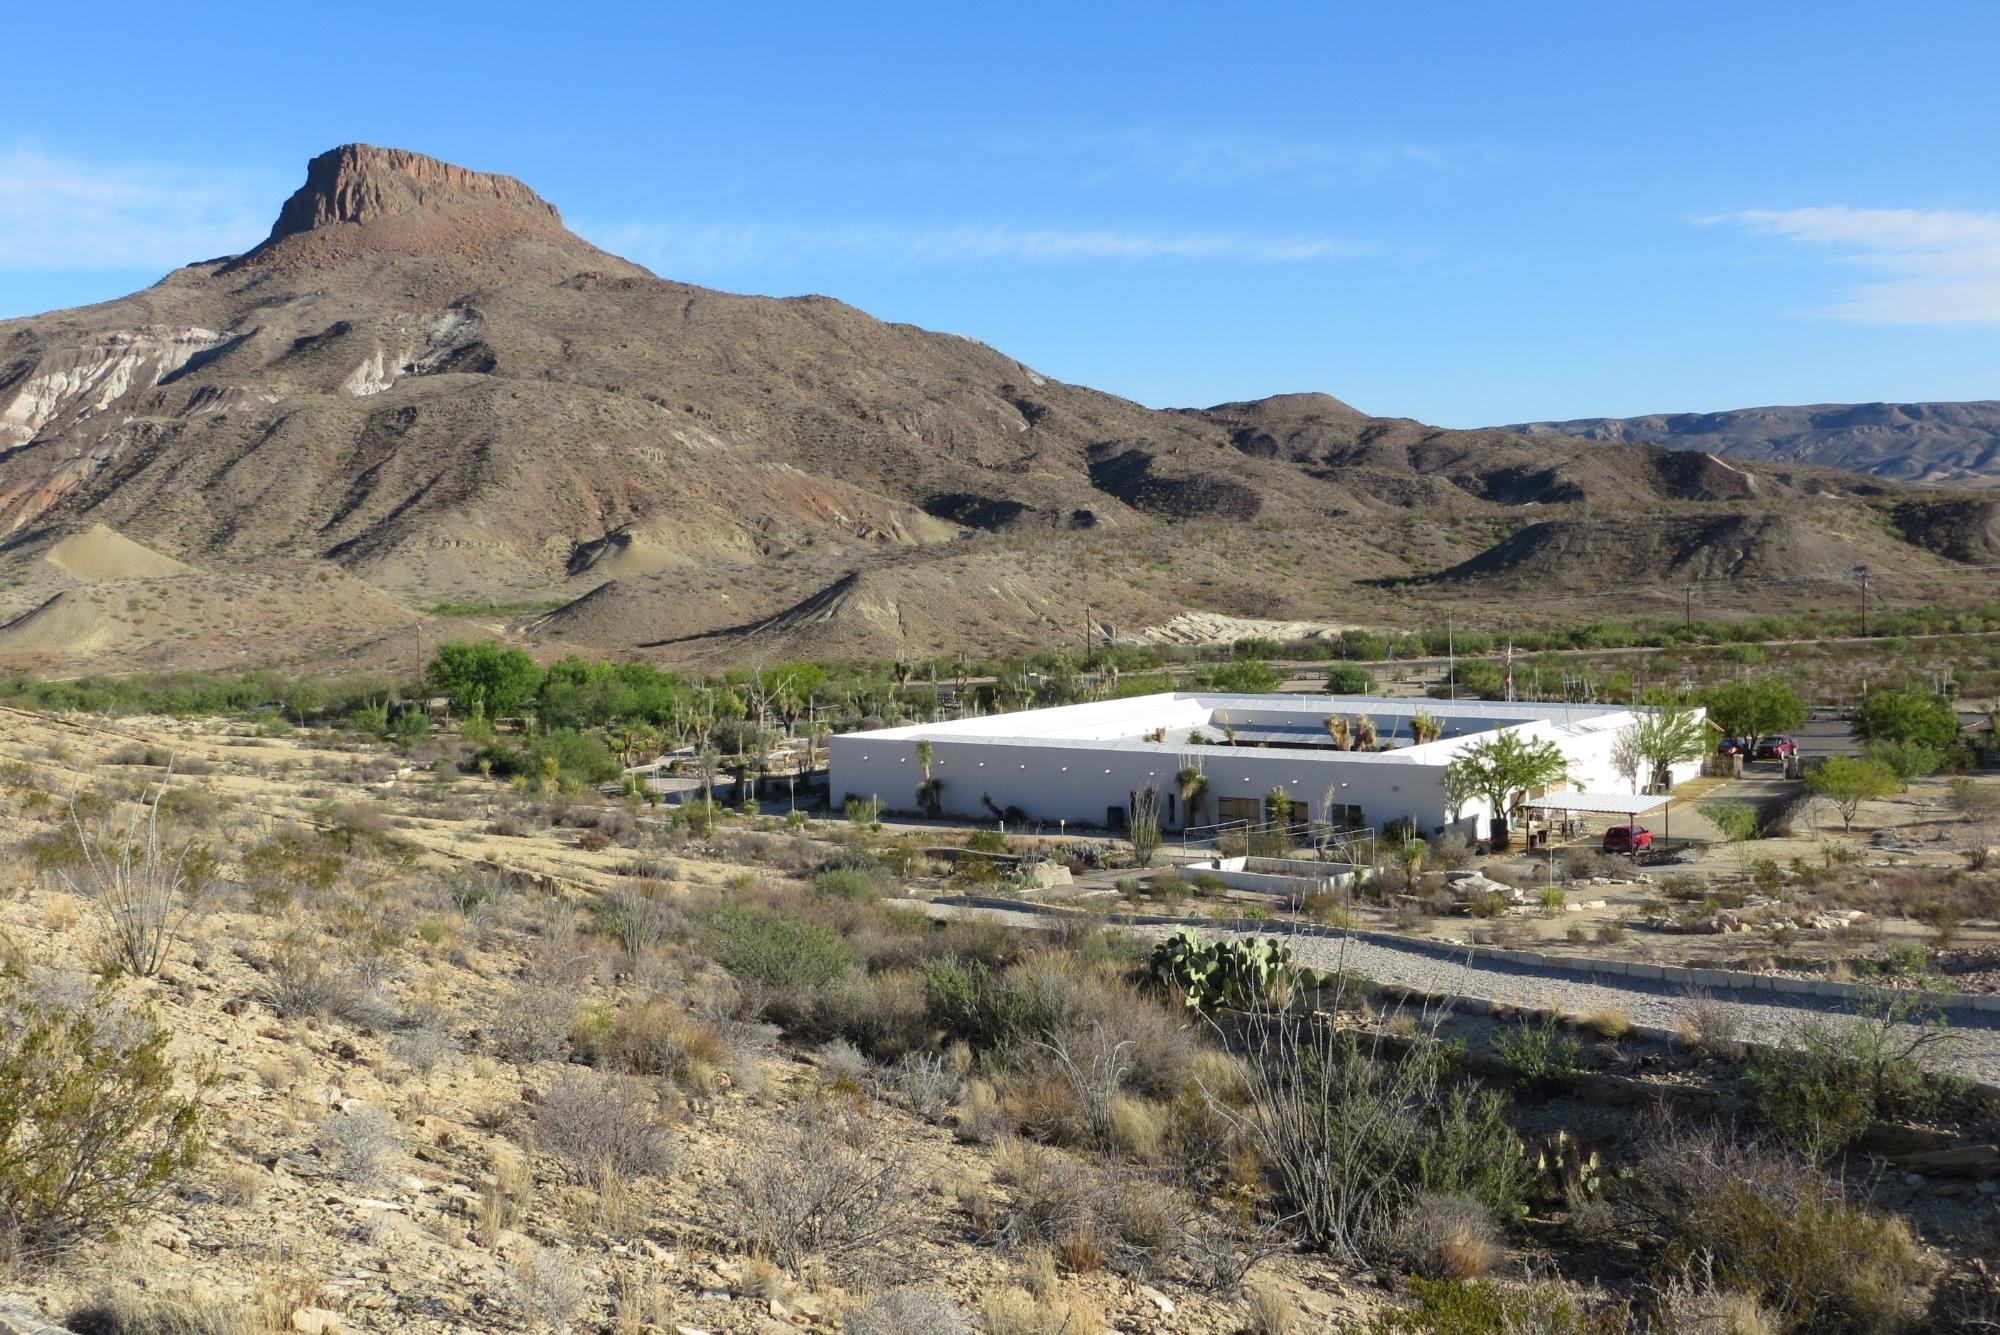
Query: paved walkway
[{"x": 1766, "y": 1017}]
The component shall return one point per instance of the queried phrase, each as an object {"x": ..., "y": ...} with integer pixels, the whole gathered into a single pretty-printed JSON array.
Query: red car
[
  {"x": 1775, "y": 748},
  {"x": 1627, "y": 838}
]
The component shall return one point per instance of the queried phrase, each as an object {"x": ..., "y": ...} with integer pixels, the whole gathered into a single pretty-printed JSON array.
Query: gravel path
[{"x": 1765, "y": 1016}]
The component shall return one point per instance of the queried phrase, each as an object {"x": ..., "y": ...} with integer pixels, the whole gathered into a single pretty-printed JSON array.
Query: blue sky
[{"x": 1467, "y": 213}]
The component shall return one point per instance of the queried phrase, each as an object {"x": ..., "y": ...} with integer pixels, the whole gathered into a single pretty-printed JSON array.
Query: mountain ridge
[
  {"x": 422, "y": 381},
  {"x": 1954, "y": 443}
]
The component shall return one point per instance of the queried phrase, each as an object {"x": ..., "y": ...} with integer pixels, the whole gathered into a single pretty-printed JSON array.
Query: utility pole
[
  {"x": 1861, "y": 574},
  {"x": 1085, "y": 665},
  {"x": 1450, "y": 658},
  {"x": 1510, "y": 670},
  {"x": 1687, "y": 605}
]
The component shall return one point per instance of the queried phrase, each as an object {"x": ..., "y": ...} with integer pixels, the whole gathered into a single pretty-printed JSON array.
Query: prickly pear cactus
[{"x": 1207, "y": 974}]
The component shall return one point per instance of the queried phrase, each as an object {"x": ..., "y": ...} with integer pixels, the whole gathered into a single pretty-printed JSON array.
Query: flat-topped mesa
[{"x": 359, "y": 183}]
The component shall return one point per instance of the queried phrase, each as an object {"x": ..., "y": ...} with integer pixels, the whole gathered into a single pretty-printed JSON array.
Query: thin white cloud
[
  {"x": 1232, "y": 160},
  {"x": 668, "y": 244},
  {"x": 1932, "y": 266},
  {"x": 62, "y": 213}
]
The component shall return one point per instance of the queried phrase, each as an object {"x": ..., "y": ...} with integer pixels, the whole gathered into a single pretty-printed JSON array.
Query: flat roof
[{"x": 1120, "y": 725}]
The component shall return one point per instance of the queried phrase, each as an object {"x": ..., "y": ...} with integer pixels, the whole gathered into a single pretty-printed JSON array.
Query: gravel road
[{"x": 1765, "y": 1016}]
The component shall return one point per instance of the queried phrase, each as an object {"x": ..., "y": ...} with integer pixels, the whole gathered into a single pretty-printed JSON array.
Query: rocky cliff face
[{"x": 362, "y": 184}]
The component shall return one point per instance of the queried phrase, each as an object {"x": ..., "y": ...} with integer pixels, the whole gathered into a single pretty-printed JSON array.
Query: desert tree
[
  {"x": 1337, "y": 729},
  {"x": 1626, "y": 761},
  {"x": 1501, "y": 770},
  {"x": 1667, "y": 734},
  {"x": 1847, "y": 782},
  {"x": 1365, "y": 736},
  {"x": 1425, "y": 728}
]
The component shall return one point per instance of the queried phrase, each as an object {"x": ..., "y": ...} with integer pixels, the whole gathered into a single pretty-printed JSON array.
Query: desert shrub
[
  {"x": 1780, "y": 1230},
  {"x": 597, "y": 1124},
  {"x": 362, "y": 1146},
  {"x": 92, "y": 1130},
  {"x": 422, "y": 1048},
  {"x": 1539, "y": 1052},
  {"x": 846, "y": 883},
  {"x": 636, "y": 915},
  {"x": 548, "y": 1288},
  {"x": 826, "y": 1184},
  {"x": 1002, "y": 1016},
  {"x": 1452, "y": 1307},
  {"x": 1444, "y": 1237},
  {"x": 299, "y": 981},
  {"x": 656, "y": 1038},
  {"x": 909, "y": 1310},
  {"x": 1087, "y": 1217},
  {"x": 1822, "y": 1086},
  {"x": 924, "y": 1081},
  {"x": 778, "y": 950},
  {"x": 883, "y": 1014}
]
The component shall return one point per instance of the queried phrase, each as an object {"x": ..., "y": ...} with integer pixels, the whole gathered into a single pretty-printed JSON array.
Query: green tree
[
  {"x": 1349, "y": 679},
  {"x": 1668, "y": 734},
  {"x": 1905, "y": 760},
  {"x": 1754, "y": 708},
  {"x": 1907, "y": 716},
  {"x": 495, "y": 678},
  {"x": 302, "y": 698},
  {"x": 1502, "y": 770},
  {"x": 1847, "y": 783}
]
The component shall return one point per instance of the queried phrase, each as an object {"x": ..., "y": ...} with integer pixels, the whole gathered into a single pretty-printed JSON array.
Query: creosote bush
[
  {"x": 1768, "y": 1224},
  {"x": 93, "y": 1129}
]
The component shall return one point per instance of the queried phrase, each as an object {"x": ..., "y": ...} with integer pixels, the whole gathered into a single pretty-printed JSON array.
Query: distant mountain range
[
  {"x": 422, "y": 399},
  {"x": 1957, "y": 444}
]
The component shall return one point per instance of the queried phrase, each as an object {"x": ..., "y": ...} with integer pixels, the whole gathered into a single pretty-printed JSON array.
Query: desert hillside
[{"x": 421, "y": 381}]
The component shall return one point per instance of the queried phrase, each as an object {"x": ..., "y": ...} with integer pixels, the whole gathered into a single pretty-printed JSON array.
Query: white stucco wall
[{"x": 1076, "y": 762}]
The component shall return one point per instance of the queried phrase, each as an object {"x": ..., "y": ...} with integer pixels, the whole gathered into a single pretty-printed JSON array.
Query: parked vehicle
[
  {"x": 1733, "y": 746},
  {"x": 1627, "y": 838},
  {"x": 1775, "y": 748}
]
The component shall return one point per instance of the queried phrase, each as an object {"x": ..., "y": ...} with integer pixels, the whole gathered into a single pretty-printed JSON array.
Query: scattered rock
[{"x": 315, "y": 1321}]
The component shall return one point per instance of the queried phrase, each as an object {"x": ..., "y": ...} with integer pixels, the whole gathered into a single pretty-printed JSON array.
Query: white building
[{"x": 1087, "y": 764}]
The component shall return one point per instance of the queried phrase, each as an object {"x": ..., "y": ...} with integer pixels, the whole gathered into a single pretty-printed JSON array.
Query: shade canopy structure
[{"x": 1608, "y": 804}]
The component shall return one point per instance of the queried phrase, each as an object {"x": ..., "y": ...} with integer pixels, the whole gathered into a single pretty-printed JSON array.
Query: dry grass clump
[
  {"x": 1266, "y": 1311},
  {"x": 908, "y": 1311},
  {"x": 1693, "y": 1303},
  {"x": 1608, "y": 1023},
  {"x": 1445, "y": 1237},
  {"x": 1017, "y": 1312},
  {"x": 1710, "y": 1026}
]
